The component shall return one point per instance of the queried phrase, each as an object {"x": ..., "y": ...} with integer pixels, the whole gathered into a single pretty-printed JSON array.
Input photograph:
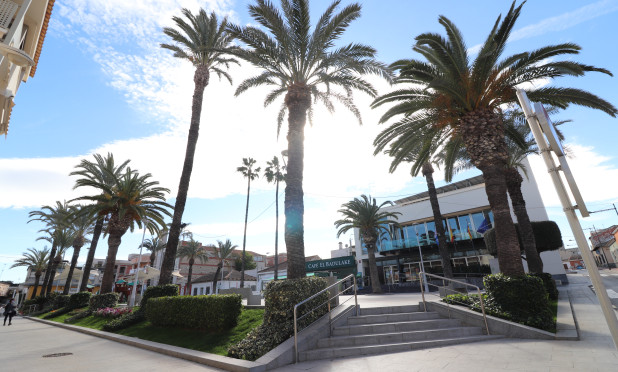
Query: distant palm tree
[
  {"x": 200, "y": 39},
  {"x": 275, "y": 172},
  {"x": 130, "y": 198},
  {"x": 303, "y": 64},
  {"x": 36, "y": 261},
  {"x": 250, "y": 174},
  {"x": 54, "y": 218},
  {"x": 456, "y": 95},
  {"x": 223, "y": 251},
  {"x": 193, "y": 250},
  {"x": 81, "y": 225},
  {"x": 102, "y": 170},
  {"x": 63, "y": 238},
  {"x": 154, "y": 244},
  {"x": 366, "y": 215}
]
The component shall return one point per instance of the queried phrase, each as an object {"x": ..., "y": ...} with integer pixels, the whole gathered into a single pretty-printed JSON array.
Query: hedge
[
  {"x": 79, "y": 299},
  {"x": 61, "y": 301},
  {"x": 103, "y": 300},
  {"x": 278, "y": 325},
  {"x": 550, "y": 285},
  {"x": 158, "y": 291},
  {"x": 78, "y": 316},
  {"x": 547, "y": 237},
  {"x": 520, "y": 299},
  {"x": 212, "y": 312}
]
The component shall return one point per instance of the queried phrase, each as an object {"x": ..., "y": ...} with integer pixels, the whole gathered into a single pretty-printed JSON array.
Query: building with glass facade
[{"x": 467, "y": 216}]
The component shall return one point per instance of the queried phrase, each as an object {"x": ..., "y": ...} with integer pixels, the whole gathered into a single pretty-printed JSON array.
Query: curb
[{"x": 212, "y": 360}]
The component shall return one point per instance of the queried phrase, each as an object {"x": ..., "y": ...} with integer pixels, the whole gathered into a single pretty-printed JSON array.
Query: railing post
[
  {"x": 483, "y": 309},
  {"x": 355, "y": 299},
  {"x": 295, "y": 337},
  {"x": 423, "y": 292},
  {"x": 330, "y": 321}
]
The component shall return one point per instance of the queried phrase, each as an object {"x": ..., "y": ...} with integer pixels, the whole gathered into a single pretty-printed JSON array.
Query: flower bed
[{"x": 111, "y": 312}]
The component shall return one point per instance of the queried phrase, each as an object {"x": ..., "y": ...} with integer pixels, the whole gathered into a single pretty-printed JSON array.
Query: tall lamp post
[{"x": 139, "y": 261}]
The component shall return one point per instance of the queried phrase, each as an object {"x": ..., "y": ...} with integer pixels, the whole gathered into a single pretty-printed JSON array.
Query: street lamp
[{"x": 139, "y": 261}]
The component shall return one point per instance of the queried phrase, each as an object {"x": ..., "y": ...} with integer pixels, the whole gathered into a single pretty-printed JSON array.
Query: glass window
[
  {"x": 410, "y": 235},
  {"x": 431, "y": 232},
  {"x": 455, "y": 232},
  {"x": 467, "y": 231},
  {"x": 477, "y": 220}
]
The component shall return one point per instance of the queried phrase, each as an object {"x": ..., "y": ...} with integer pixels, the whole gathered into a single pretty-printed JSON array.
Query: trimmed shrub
[
  {"x": 56, "y": 313},
  {"x": 278, "y": 325},
  {"x": 460, "y": 299},
  {"x": 79, "y": 315},
  {"x": 550, "y": 285},
  {"x": 213, "y": 312},
  {"x": 103, "y": 300},
  {"x": 124, "y": 321},
  {"x": 79, "y": 299},
  {"x": 158, "y": 291},
  {"x": 547, "y": 237},
  {"x": 521, "y": 299},
  {"x": 60, "y": 301}
]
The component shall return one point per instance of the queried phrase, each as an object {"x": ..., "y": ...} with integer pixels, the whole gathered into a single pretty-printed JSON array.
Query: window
[
  {"x": 467, "y": 230},
  {"x": 455, "y": 230},
  {"x": 195, "y": 291}
]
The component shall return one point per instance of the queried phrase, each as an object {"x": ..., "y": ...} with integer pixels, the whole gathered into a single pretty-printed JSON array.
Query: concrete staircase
[{"x": 384, "y": 330}]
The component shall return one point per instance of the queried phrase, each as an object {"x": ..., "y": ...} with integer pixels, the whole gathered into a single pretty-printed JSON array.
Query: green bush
[
  {"x": 103, "y": 300},
  {"x": 79, "y": 315},
  {"x": 79, "y": 299},
  {"x": 547, "y": 237},
  {"x": 61, "y": 301},
  {"x": 42, "y": 311},
  {"x": 56, "y": 313},
  {"x": 522, "y": 299},
  {"x": 278, "y": 325},
  {"x": 124, "y": 321},
  {"x": 158, "y": 291},
  {"x": 549, "y": 284},
  {"x": 213, "y": 312},
  {"x": 460, "y": 299}
]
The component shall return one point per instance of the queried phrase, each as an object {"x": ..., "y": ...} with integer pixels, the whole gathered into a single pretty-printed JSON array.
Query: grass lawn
[{"x": 214, "y": 343}]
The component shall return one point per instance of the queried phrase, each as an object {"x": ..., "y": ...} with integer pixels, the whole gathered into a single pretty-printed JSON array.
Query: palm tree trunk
[
  {"x": 437, "y": 217},
  {"x": 216, "y": 278},
  {"x": 483, "y": 136},
  {"x": 191, "y": 262},
  {"x": 113, "y": 242},
  {"x": 98, "y": 228},
  {"x": 37, "y": 277},
  {"x": 200, "y": 79},
  {"x": 50, "y": 283},
  {"x": 67, "y": 284},
  {"x": 297, "y": 101},
  {"x": 244, "y": 238},
  {"x": 513, "y": 184},
  {"x": 376, "y": 287},
  {"x": 152, "y": 257},
  {"x": 277, "y": 230},
  {"x": 48, "y": 270}
]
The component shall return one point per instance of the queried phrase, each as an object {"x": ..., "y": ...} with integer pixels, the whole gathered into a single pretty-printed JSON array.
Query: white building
[
  {"x": 227, "y": 280},
  {"x": 23, "y": 25},
  {"x": 465, "y": 208}
]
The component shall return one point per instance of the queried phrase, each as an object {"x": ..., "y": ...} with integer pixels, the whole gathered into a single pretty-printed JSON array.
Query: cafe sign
[{"x": 330, "y": 264}]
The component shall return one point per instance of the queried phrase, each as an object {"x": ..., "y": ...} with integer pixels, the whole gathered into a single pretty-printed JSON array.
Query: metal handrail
[
  {"x": 330, "y": 319},
  {"x": 454, "y": 281}
]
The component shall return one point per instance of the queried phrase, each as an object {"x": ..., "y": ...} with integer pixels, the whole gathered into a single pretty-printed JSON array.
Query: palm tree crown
[
  {"x": 36, "y": 261},
  {"x": 250, "y": 174},
  {"x": 222, "y": 251},
  {"x": 154, "y": 244}
]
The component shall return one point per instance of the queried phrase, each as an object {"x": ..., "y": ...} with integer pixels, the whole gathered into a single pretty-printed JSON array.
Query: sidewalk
[{"x": 594, "y": 352}]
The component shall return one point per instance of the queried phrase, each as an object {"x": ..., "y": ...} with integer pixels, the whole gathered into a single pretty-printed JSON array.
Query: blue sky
[{"x": 103, "y": 84}]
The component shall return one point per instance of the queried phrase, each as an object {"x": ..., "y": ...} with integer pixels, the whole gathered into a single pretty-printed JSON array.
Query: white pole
[
  {"x": 569, "y": 211},
  {"x": 139, "y": 261},
  {"x": 420, "y": 252}
]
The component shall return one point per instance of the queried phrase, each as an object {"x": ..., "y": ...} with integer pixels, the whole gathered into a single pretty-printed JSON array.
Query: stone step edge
[
  {"x": 389, "y": 323},
  {"x": 403, "y": 332},
  {"x": 390, "y": 314}
]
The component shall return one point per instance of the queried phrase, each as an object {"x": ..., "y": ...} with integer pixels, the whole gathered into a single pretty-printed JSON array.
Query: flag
[
  {"x": 451, "y": 233},
  {"x": 469, "y": 232},
  {"x": 485, "y": 225}
]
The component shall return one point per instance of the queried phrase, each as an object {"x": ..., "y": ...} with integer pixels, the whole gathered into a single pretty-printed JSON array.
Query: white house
[
  {"x": 227, "y": 280},
  {"x": 23, "y": 25},
  {"x": 467, "y": 215}
]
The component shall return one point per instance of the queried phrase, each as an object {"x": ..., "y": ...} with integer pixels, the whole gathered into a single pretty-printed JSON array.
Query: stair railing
[
  {"x": 449, "y": 288},
  {"x": 327, "y": 303}
]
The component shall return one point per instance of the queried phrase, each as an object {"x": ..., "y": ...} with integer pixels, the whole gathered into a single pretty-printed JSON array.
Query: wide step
[
  {"x": 399, "y": 337},
  {"x": 390, "y": 309},
  {"x": 378, "y": 328},
  {"x": 391, "y": 318},
  {"x": 340, "y": 352}
]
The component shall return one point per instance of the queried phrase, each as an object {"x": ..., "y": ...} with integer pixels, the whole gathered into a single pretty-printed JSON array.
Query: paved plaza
[{"x": 25, "y": 342}]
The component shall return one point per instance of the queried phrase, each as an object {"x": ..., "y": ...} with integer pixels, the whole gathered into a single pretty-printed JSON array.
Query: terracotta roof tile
[{"x": 39, "y": 46}]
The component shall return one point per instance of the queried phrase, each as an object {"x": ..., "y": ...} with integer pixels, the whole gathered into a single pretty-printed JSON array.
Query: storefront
[{"x": 339, "y": 267}]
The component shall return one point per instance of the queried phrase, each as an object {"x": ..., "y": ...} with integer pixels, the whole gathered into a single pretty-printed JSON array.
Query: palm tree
[
  {"x": 102, "y": 170},
  {"x": 457, "y": 97},
  {"x": 275, "y": 172},
  {"x": 130, "y": 198},
  {"x": 223, "y": 251},
  {"x": 193, "y": 250},
  {"x": 63, "y": 238},
  {"x": 250, "y": 174},
  {"x": 201, "y": 39},
  {"x": 365, "y": 214},
  {"x": 301, "y": 65},
  {"x": 36, "y": 261},
  {"x": 54, "y": 218},
  {"x": 81, "y": 225},
  {"x": 154, "y": 244}
]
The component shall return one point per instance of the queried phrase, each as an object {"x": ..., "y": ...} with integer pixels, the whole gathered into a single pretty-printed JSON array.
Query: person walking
[{"x": 9, "y": 311}]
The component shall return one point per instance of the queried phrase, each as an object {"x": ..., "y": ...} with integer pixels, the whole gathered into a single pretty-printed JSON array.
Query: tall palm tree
[
  {"x": 130, "y": 198},
  {"x": 193, "y": 250},
  {"x": 36, "y": 261},
  {"x": 63, "y": 238},
  {"x": 102, "y": 170},
  {"x": 302, "y": 64},
  {"x": 154, "y": 245},
  {"x": 456, "y": 96},
  {"x": 54, "y": 218},
  {"x": 365, "y": 214},
  {"x": 223, "y": 251},
  {"x": 81, "y": 225},
  {"x": 200, "y": 39},
  {"x": 275, "y": 172},
  {"x": 250, "y": 174}
]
